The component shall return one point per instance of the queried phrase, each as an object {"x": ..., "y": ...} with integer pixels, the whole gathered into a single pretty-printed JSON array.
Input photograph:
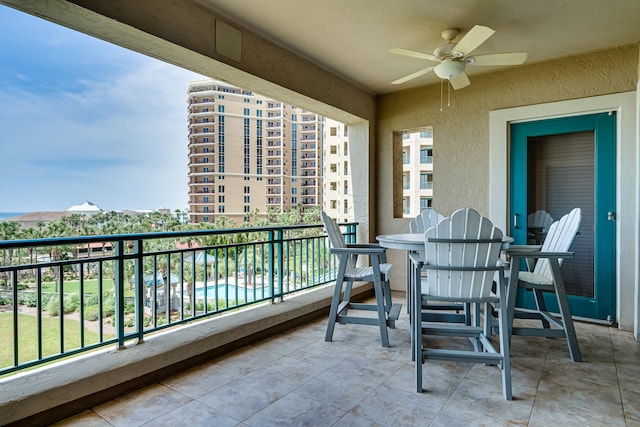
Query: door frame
[
  {"x": 627, "y": 204},
  {"x": 601, "y": 127}
]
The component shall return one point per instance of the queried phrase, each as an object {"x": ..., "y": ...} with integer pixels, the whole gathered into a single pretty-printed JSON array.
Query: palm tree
[{"x": 9, "y": 230}]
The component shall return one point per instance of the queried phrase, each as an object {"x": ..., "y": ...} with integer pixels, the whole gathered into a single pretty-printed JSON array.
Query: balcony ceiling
[{"x": 352, "y": 37}]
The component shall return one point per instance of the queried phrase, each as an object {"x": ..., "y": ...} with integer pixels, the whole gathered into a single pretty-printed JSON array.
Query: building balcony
[{"x": 270, "y": 362}]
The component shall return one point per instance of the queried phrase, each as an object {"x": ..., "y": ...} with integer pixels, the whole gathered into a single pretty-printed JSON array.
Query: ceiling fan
[{"x": 454, "y": 57}]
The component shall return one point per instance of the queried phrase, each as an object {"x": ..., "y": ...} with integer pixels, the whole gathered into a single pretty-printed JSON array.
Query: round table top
[
  {"x": 415, "y": 241},
  {"x": 407, "y": 241}
]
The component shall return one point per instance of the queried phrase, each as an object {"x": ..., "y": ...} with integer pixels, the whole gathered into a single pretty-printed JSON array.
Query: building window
[
  {"x": 333, "y": 149},
  {"x": 205, "y": 199},
  {"x": 345, "y": 149},
  {"x": 426, "y": 155},
  {"x": 345, "y": 208},
  {"x": 333, "y": 186},
  {"x": 346, "y": 168},
  {"x": 221, "y": 209},
  {"x": 220, "y": 188},
  {"x": 334, "y": 168},
  {"x": 334, "y": 204},
  {"x": 425, "y": 202},
  {"x": 426, "y": 134},
  {"x": 426, "y": 181},
  {"x": 247, "y": 189},
  {"x": 334, "y": 131},
  {"x": 346, "y": 187},
  {"x": 247, "y": 209},
  {"x": 406, "y": 182},
  {"x": 220, "y": 199},
  {"x": 205, "y": 219},
  {"x": 405, "y": 157}
]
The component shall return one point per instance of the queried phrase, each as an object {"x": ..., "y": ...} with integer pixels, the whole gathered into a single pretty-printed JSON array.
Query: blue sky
[{"x": 82, "y": 119}]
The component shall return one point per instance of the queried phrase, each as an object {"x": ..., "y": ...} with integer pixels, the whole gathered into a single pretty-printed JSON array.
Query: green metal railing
[{"x": 64, "y": 296}]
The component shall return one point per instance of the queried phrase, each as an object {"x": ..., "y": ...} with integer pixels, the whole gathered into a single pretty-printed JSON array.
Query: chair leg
[
  {"x": 504, "y": 351},
  {"x": 416, "y": 327},
  {"x": 542, "y": 306},
  {"x": 565, "y": 312},
  {"x": 333, "y": 311},
  {"x": 382, "y": 315}
]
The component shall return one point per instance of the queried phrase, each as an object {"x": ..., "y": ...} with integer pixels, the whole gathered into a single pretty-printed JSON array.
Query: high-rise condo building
[{"x": 249, "y": 154}]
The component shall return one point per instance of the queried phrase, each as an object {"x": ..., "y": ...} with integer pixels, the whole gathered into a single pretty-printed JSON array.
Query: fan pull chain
[
  {"x": 441, "y": 94},
  {"x": 448, "y": 92}
]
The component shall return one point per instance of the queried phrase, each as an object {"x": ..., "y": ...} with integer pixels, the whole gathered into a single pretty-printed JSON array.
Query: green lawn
[{"x": 27, "y": 337}]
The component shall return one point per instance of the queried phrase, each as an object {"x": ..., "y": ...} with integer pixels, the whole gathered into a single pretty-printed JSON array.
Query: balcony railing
[{"x": 58, "y": 302}]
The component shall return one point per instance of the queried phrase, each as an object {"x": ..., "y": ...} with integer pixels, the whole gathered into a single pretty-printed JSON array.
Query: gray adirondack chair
[
  {"x": 546, "y": 277},
  {"x": 341, "y": 310},
  {"x": 461, "y": 263}
]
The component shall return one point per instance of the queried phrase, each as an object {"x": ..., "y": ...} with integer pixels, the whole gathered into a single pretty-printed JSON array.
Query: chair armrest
[
  {"x": 364, "y": 245},
  {"x": 521, "y": 248},
  {"x": 373, "y": 250},
  {"x": 416, "y": 259},
  {"x": 540, "y": 254}
]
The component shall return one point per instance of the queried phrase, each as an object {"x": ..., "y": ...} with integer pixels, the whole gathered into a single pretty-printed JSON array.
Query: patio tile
[
  {"x": 299, "y": 379},
  {"x": 139, "y": 407}
]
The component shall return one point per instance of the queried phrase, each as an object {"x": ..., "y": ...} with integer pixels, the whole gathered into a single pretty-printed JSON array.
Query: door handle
[
  {"x": 515, "y": 221},
  {"x": 611, "y": 216}
]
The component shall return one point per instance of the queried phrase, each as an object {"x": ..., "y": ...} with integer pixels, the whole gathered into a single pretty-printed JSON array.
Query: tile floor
[{"x": 298, "y": 379}]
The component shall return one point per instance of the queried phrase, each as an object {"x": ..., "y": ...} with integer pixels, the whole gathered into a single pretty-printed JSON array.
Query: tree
[{"x": 9, "y": 230}]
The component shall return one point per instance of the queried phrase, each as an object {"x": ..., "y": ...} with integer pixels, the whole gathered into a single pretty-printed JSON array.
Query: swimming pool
[{"x": 224, "y": 290}]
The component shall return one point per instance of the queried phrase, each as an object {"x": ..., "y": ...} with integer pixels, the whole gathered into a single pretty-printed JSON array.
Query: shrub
[
  {"x": 69, "y": 304},
  {"x": 91, "y": 313},
  {"x": 28, "y": 298}
]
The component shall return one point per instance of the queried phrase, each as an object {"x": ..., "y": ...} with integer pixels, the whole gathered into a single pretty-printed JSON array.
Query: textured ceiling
[{"x": 352, "y": 37}]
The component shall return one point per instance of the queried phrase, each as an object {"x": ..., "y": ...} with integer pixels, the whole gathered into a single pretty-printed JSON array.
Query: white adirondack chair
[
  {"x": 433, "y": 312},
  {"x": 538, "y": 224},
  {"x": 425, "y": 219},
  {"x": 461, "y": 263},
  {"x": 348, "y": 273},
  {"x": 546, "y": 277}
]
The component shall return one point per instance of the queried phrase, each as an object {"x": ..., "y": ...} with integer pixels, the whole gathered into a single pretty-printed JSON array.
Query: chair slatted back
[
  {"x": 336, "y": 238},
  {"x": 425, "y": 219},
  {"x": 540, "y": 218},
  {"x": 559, "y": 238},
  {"x": 462, "y": 269}
]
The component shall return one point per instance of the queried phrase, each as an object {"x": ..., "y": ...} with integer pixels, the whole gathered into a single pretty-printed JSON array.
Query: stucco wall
[{"x": 461, "y": 131}]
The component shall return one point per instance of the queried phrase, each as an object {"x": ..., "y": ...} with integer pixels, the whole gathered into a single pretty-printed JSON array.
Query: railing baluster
[
  {"x": 139, "y": 288},
  {"x": 119, "y": 290}
]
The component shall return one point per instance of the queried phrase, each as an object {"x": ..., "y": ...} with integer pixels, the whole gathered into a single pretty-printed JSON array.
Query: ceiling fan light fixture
[{"x": 449, "y": 69}]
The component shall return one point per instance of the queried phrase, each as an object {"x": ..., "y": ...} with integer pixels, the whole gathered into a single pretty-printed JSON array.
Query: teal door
[{"x": 559, "y": 164}]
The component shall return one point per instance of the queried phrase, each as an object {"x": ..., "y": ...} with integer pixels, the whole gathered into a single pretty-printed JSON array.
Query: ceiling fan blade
[
  {"x": 498, "y": 59},
  {"x": 412, "y": 76},
  {"x": 413, "y": 54},
  {"x": 460, "y": 81},
  {"x": 474, "y": 38}
]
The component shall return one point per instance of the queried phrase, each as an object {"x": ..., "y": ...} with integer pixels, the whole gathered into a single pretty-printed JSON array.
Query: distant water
[{"x": 7, "y": 215}]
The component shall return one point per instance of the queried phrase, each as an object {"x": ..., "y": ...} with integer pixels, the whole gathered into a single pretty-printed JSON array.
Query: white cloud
[{"x": 118, "y": 140}]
